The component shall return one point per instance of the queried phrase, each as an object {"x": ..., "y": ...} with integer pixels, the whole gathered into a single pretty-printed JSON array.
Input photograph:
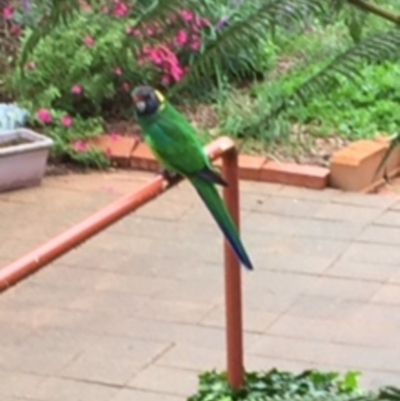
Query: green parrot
[{"x": 175, "y": 144}]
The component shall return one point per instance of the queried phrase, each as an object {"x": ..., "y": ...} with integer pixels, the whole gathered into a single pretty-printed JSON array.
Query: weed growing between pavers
[{"x": 310, "y": 385}]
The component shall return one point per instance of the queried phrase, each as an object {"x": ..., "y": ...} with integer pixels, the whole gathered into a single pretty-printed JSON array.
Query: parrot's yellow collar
[{"x": 161, "y": 99}]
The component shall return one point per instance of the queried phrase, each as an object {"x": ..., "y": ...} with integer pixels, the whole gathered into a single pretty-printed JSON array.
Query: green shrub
[
  {"x": 355, "y": 112},
  {"x": 84, "y": 72},
  {"x": 279, "y": 385}
]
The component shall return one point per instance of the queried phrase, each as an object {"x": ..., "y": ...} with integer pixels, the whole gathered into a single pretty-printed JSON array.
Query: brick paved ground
[{"x": 136, "y": 312}]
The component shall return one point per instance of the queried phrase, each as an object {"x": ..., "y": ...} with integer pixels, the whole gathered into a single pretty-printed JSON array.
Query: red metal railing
[{"x": 62, "y": 243}]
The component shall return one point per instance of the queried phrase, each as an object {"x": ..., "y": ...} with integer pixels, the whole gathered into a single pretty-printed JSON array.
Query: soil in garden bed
[
  {"x": 13, "y": 142},
  {"x": 301, "y": 147}
]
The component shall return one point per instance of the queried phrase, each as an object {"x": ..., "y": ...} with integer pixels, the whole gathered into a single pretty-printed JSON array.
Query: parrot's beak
[{"x": 140, "y": 104}]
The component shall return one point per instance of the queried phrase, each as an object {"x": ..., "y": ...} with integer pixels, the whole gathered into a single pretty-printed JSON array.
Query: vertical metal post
[{"x": 233, "y": 288}]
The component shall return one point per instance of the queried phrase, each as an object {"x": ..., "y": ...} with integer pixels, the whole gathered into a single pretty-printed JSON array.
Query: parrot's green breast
[{"x": 174, "y": 141}]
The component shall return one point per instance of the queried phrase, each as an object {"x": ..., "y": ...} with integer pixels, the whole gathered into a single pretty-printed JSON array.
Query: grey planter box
[{"x": 22, "y": 165}]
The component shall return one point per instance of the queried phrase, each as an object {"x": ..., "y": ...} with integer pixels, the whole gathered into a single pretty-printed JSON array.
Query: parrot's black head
[{"x": 147, "y": 101}]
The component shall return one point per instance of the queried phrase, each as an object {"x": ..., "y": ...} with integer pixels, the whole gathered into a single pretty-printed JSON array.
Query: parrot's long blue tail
[{"x": 216, "y": 206}]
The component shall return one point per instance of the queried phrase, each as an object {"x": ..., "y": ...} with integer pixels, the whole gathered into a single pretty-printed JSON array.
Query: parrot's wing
[{"x": 176, "y": 144}]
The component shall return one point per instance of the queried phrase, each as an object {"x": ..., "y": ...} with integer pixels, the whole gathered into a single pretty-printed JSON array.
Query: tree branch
[{"x": 374, "y": 9}]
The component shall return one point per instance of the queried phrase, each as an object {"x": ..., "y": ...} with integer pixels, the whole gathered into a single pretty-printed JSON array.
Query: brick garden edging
[
  {"x": 352, "y": 168},
  {"x": 254, "y": 168}
]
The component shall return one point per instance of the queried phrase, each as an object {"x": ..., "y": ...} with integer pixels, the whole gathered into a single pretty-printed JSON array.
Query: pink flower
[
  {"x": 118, "y": 71},
  {"x": 44, "y": 116},
  {"x": 114, "y": 136},
  {"x": 77, "y": 90},
  {"x": 155, "y": 57},
  {"x": 121, "y": 9},
  {"x": 187, "y": 15},
  {"x": 195, "y": 45},
  {"x": 67, "y": 121},
  {"x": 80, "y": 146},
  {"x": 8, "y": 12},
  {"x": 89, "y": 41},
  {"x": 126, "y": 86},
  {"x": 176, "y": 73},
  {"x": 181, "y": 37}
]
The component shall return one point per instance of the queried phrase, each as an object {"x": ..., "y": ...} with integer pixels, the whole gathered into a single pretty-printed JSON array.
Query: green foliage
[
  {"x": 357, "y": 112},
  {"x": 278, "y": 385},
  {"x": 331, "y": 46}
]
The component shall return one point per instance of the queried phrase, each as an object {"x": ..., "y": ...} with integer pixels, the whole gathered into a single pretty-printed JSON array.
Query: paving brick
[
  {"x": 322, "y": 352},
  {"x": 288, "y": 207},
  {"x": 113, "y": 360},
  {"x": 395, "y": 278},
  {"x": 163, "y": 209},
  {"x": 129, "y": 395},
  {"x": 323, "y": 307},
  {"x": 370, "y": 326},
  {"x": 73, "y": 390},
  {"x": 343, "y": 289},
  {"x": 388, "y": 294},
  {"x": 35, "y": 294},
  {"x": 193, "y": 358},
  {"x": 313, "y": 246},
  {"x": 389, "y": 218},
  {"x": 364, "y": 200},
  {"x": 305, "y": 327},
  {"x": 13, "y": 333},
  {"x": 17, "y": 384},
  {"x": 255, "y": 321},
  {"x": 196, "y": 291},
  {"x": 265, "y": 363},
  {"x": 371, "y": 253},
  {"x": 295, "y": 262},
  {"x": 63, "y": 276},
  {"x": 166, "y": 380},
  {"x": 259, "y": 188},
  {"x": 275, "y": 226},
  {"x": 180, "y": 312},
  {"x": 327, "y": 229},
  {"x": 362, "y": 271},
  {"x": 347, "y": 213},
  {"x": 380, "y": 234},
  {"x": 306, "y": 193}
]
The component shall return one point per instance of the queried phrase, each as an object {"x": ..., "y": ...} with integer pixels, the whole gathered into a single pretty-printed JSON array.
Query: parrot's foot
[{"x": 169, "y": 175}]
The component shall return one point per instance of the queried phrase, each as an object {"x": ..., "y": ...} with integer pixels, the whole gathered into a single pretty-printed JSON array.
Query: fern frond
[
  {"x": 159, "y": 10},
  {"x": 244, "y": 33},
  {"x": 374, "y": 49}
]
